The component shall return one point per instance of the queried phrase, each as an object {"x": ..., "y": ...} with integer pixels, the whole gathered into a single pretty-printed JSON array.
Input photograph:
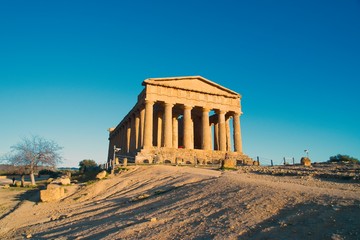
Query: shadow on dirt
[
  {"x": 29, "y": 195},
  {"x": 310, "y": 221}
]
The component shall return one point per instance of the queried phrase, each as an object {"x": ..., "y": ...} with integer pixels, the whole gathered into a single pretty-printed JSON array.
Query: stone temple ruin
[{"x": 181, "y": 120}]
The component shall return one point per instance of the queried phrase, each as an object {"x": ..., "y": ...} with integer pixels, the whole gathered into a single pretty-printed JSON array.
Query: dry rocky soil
[{"x": 169, "y": 202}]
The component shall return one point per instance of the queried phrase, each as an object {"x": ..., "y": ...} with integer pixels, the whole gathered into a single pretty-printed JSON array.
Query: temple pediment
[{"x": 192, "y": 83}]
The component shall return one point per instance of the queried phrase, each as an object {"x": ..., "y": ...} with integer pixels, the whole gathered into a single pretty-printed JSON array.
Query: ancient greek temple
[{"x": 181, "y": 120}]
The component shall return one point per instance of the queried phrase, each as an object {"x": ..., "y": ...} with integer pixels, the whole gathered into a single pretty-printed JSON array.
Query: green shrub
[
  {"x": 88, "y": 165},
  {"x": 343, "y": 158},
  {"x": 51, "y": 173}
]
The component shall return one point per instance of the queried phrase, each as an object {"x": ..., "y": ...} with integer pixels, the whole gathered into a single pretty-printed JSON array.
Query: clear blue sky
[{"x": 71, "y": 69}]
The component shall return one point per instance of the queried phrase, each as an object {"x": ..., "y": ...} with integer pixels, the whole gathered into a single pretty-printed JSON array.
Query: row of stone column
[
  {"x": 171, "y": 128},
  {"x": 137, "y": 131},
  {"x": 130, "y": 137}
]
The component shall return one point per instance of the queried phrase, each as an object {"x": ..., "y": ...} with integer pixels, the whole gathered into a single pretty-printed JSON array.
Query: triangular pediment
[{"x": 193, "y": 83}]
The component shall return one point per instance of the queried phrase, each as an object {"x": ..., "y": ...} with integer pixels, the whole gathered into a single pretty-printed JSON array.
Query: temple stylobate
[{"x": 189, "y": 120}]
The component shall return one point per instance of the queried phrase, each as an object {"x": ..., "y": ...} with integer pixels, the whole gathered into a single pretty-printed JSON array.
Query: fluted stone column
[
  {"x": 159, "y": 136},
  {"x": 137, "y": 129},
  {"x": 128, "y": 135},
  {"x": 188, "y": 128},
  {"x": 192, "y": 136},
  {"x": 228, "y": 138},
  {"x": 141, "y": 133},
  {"x": 168, "y": 125},
  {"x": 175, "y": 129},
  {"x": 216, "y": 136},
  {"x": 132, "y": 133},
  {"x": 205, "y": 129},
  {"x": 237, "y": 133},
  {"x": 122, "y": 141},
  {"x": 212, "y": 140},
  {"x": 124, "y": 135},
  {"x": 222, "y": 130},
  {"x": 148, "y": 126}
]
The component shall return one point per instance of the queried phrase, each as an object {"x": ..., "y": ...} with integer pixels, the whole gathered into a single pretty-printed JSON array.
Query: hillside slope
[{"x": 165, "y": 202}]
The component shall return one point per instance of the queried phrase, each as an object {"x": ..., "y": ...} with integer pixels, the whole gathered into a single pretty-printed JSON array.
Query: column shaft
[
  {"x": 205, "y": 129},
  {"x": 216, "y": 136},
  {"x": 168, "y": 125},
  {"x": 237, "y": 133},
  {"x": 228, "y": 138},
  {"x": 159, "y": 136},
  {"x": 133, "y": 133},
  {"x": 128, "y": 135},
  {"x": 175, "y": 129},
  {"x": 142, "y": 121},
  {"x": 212, "y": 140},
  {"x": 137, "y": 130},
  {"x": 222, "y": 131},
  {"x": 187, "y": 127},
  {"x": 122, "y": 135},
  {"x": 148, "y": 126}
]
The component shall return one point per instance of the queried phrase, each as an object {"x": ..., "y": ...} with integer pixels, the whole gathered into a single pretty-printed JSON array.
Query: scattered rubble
[{"x": 319, "y": 170}]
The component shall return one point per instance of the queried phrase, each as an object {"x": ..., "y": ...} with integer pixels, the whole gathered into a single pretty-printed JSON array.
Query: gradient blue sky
[{"x": 69, "y": 70}]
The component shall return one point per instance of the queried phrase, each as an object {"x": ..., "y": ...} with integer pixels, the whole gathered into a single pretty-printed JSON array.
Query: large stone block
[
  {"x": 101, "y": 175},
  {"x": 65, "y": 181},
  {"x": 52, "y": 193},
  {"x": 125, "y": 161},
  {"x": 305, "y": 161},
  {"x": 228, "y": 163}
]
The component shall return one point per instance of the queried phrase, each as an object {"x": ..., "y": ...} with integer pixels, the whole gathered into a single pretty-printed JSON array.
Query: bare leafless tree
[{"x": 32, "y": 152}]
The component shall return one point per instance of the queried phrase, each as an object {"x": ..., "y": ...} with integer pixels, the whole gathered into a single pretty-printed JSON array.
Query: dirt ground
[{"x": 168, "y": 202}]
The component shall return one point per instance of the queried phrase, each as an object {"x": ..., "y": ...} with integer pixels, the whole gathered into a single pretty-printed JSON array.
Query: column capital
[
  {"x": 188, "y": 107},
  {"x": 148, "y": 101},
  {"x": 205, "y": 109},
  {"x": 237, "y": 114},
  {"x": 220, "y": 111},
  {"x": 168, "y": 104}
]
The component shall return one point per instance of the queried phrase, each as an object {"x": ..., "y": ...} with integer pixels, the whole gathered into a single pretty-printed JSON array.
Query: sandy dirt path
[{"x": 165, "y": 202}]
